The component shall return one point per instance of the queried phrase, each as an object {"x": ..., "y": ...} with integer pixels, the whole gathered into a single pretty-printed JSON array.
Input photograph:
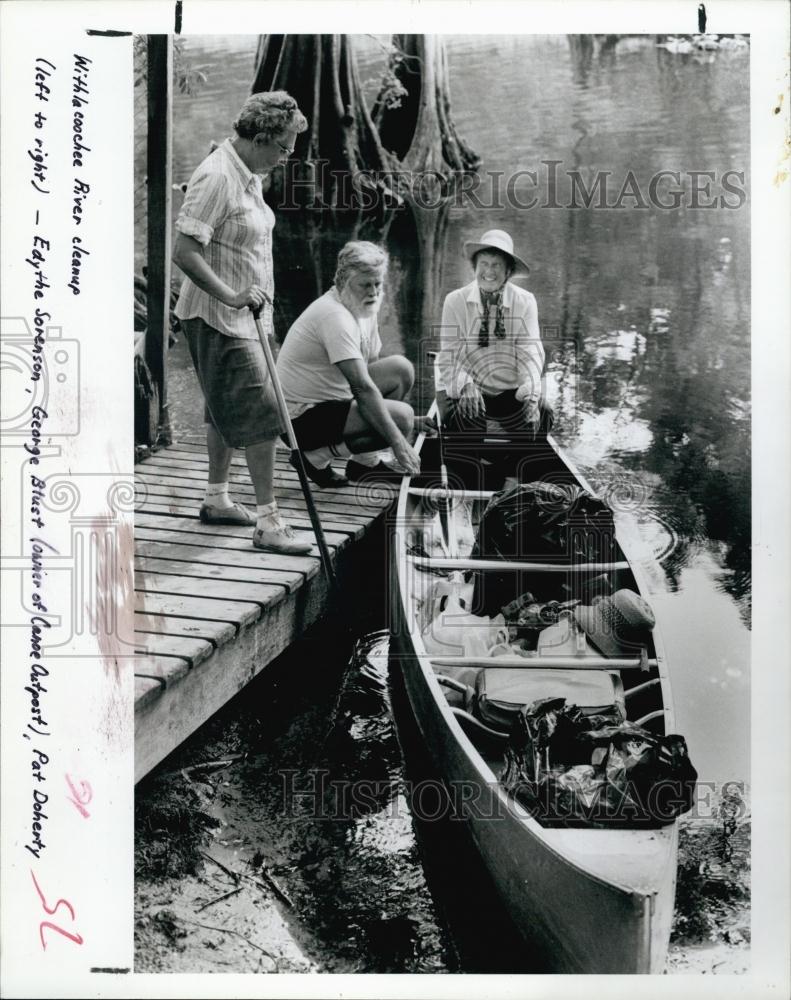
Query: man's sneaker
[
  {"x": 236, "y": 514},
  {"x": 280, "y": 537},
  {"x": 356, "y": 472},
  {"x": 326, "y": 478}
]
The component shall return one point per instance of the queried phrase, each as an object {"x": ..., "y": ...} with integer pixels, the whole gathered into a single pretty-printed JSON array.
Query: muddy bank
[
  {"x": 313, "y": 881},
  {"x": 279, "y": 839}
]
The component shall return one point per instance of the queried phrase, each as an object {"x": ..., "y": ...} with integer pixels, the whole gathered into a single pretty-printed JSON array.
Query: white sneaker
[{"x": 278, "y": 536}]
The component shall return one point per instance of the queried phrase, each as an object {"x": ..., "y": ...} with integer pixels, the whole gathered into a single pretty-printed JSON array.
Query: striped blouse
[{"x": 225, "y": 211}]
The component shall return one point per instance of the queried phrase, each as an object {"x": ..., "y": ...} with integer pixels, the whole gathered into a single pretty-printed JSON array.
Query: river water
[{"x": 645, "y": 314}]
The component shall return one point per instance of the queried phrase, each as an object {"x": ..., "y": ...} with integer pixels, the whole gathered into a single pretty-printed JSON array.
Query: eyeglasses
[{"x": 286, "y": 150}]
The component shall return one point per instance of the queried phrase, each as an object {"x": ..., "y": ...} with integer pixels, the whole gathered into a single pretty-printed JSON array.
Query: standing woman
[{"x": 224, "y": 247}]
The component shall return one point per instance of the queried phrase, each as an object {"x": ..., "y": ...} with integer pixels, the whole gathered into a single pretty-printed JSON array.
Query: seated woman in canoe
[{"x": 492, "y": 358}]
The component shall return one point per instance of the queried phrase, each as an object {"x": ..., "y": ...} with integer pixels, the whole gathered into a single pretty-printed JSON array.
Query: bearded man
[{"x": 344, "y": 400}]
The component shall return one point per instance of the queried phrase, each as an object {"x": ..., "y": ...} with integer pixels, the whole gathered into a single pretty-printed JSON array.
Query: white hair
[{"x": 359, "y": 255}]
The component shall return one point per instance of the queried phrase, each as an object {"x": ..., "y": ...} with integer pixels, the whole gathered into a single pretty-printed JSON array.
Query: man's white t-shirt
[{"x": 324, "y": 334}]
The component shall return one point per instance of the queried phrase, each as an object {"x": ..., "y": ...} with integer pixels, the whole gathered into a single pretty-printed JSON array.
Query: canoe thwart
[
  {"x": 439, "y": 493},
  {"x": 523, "y": 566},
  {"x": 641, "y": 687},
  {"x": 658, "y": 714},
  {"x": 452, "y": 683},
  {"x": 478, "y": 725},
  {"x": 536, "y": 662}
]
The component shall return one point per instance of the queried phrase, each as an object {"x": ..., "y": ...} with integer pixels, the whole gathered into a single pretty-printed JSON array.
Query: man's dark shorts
[
  {"x": 240, "y": 400},
  {"x": 322, "y": 424}
]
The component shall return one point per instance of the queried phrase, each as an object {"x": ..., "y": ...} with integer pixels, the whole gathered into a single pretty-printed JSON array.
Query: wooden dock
[{"x": 210, "y": 610}]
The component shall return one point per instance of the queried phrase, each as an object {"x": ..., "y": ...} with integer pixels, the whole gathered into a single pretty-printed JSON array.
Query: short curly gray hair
[
  {"x": 271, "y": 113},
  {"x": 359, "y": 255}
]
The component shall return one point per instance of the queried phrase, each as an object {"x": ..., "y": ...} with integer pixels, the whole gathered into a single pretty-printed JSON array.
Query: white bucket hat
[{"x": 496, "y": 239}]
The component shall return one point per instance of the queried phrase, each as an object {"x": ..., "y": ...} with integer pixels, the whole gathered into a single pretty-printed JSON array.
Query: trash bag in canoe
[
  {"x": 539, "y": 521},
  {"x": 569, "y": 768}
]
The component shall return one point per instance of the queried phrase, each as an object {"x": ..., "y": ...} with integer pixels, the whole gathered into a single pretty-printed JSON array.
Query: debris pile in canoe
[
  {"x": 569, "y": 767},
  {"x": 577, "y": 759},
  {"x": 540, "y": 521}
]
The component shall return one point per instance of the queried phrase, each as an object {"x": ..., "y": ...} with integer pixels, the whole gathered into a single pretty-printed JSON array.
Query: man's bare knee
[
  {"x": 394, "y": 376},
  {"x": 405, "y": 371},
  {"x": 402, "y": 414}
]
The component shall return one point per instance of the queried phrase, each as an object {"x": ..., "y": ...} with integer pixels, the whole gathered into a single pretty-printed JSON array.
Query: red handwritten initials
[
  {"x": 52, "y": 910},
  {"x": 81, "y": 798}
]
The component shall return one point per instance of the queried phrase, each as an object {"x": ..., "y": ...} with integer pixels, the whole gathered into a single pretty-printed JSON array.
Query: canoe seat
[{"x": 500, "y": 692}]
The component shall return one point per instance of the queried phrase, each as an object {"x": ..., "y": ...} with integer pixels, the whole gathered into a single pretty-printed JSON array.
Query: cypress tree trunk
[
  {"x": 420, "y": 130},
  {"x": 342, "y": 163}
]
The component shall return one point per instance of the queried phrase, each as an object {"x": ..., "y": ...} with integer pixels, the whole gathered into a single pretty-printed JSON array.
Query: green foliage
[
  {"x": 385, "y": 80},
  {"x": 189, "y": 79},
  {"x": 392, "y": 91}
]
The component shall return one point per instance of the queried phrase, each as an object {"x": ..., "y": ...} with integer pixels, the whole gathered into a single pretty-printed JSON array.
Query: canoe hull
[
  {"x": 599, "y": 901},
  {"x": 573, "y": 922}
]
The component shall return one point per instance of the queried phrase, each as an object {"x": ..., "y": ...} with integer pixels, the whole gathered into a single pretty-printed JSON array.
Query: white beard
[{"x": 357, "y": 308}]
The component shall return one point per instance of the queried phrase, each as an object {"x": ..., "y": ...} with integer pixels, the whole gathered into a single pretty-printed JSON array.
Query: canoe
[{"x": 585, "y": 899}]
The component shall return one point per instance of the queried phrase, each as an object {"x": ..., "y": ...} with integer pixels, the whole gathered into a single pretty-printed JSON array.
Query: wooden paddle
[
  {"x": 446, "y": 521},
  {"x": 296, "y": 454}
]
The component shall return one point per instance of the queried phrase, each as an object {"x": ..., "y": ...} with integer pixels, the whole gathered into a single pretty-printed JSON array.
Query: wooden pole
[
  {"x": 159, "y": 147},
  {"x": 296, "y": 454}
]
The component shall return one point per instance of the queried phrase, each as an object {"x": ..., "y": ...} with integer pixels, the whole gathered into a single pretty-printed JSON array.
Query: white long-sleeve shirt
[{"x": 513, "y": 362}]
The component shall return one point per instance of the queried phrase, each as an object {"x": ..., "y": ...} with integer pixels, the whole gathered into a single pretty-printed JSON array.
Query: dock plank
[
  {"x": 192, "y": 496},
  {"x": 238, "y": 574},
  {"x": 335, "y": 539},
  {"x": 296, "y": 516},
  {"x": 237, "y": 613},
  {"x": 148, "y": 690},
  {"x": 282, "y": 478},
  {"x": 196, "y": 472},
  {"x": 353, "y": 497},
  {"x": 293, "y": 570},
  {"x": 149, "y": 665},
  {"x": 188, "y": 648},
  {"x": 262, "y": 594},
  {"x": 215, "y": 633},
  {"x": 160, "y": 667},
  {"x": 197, "y": 453},
  {"x": 161, "y": 534}
]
